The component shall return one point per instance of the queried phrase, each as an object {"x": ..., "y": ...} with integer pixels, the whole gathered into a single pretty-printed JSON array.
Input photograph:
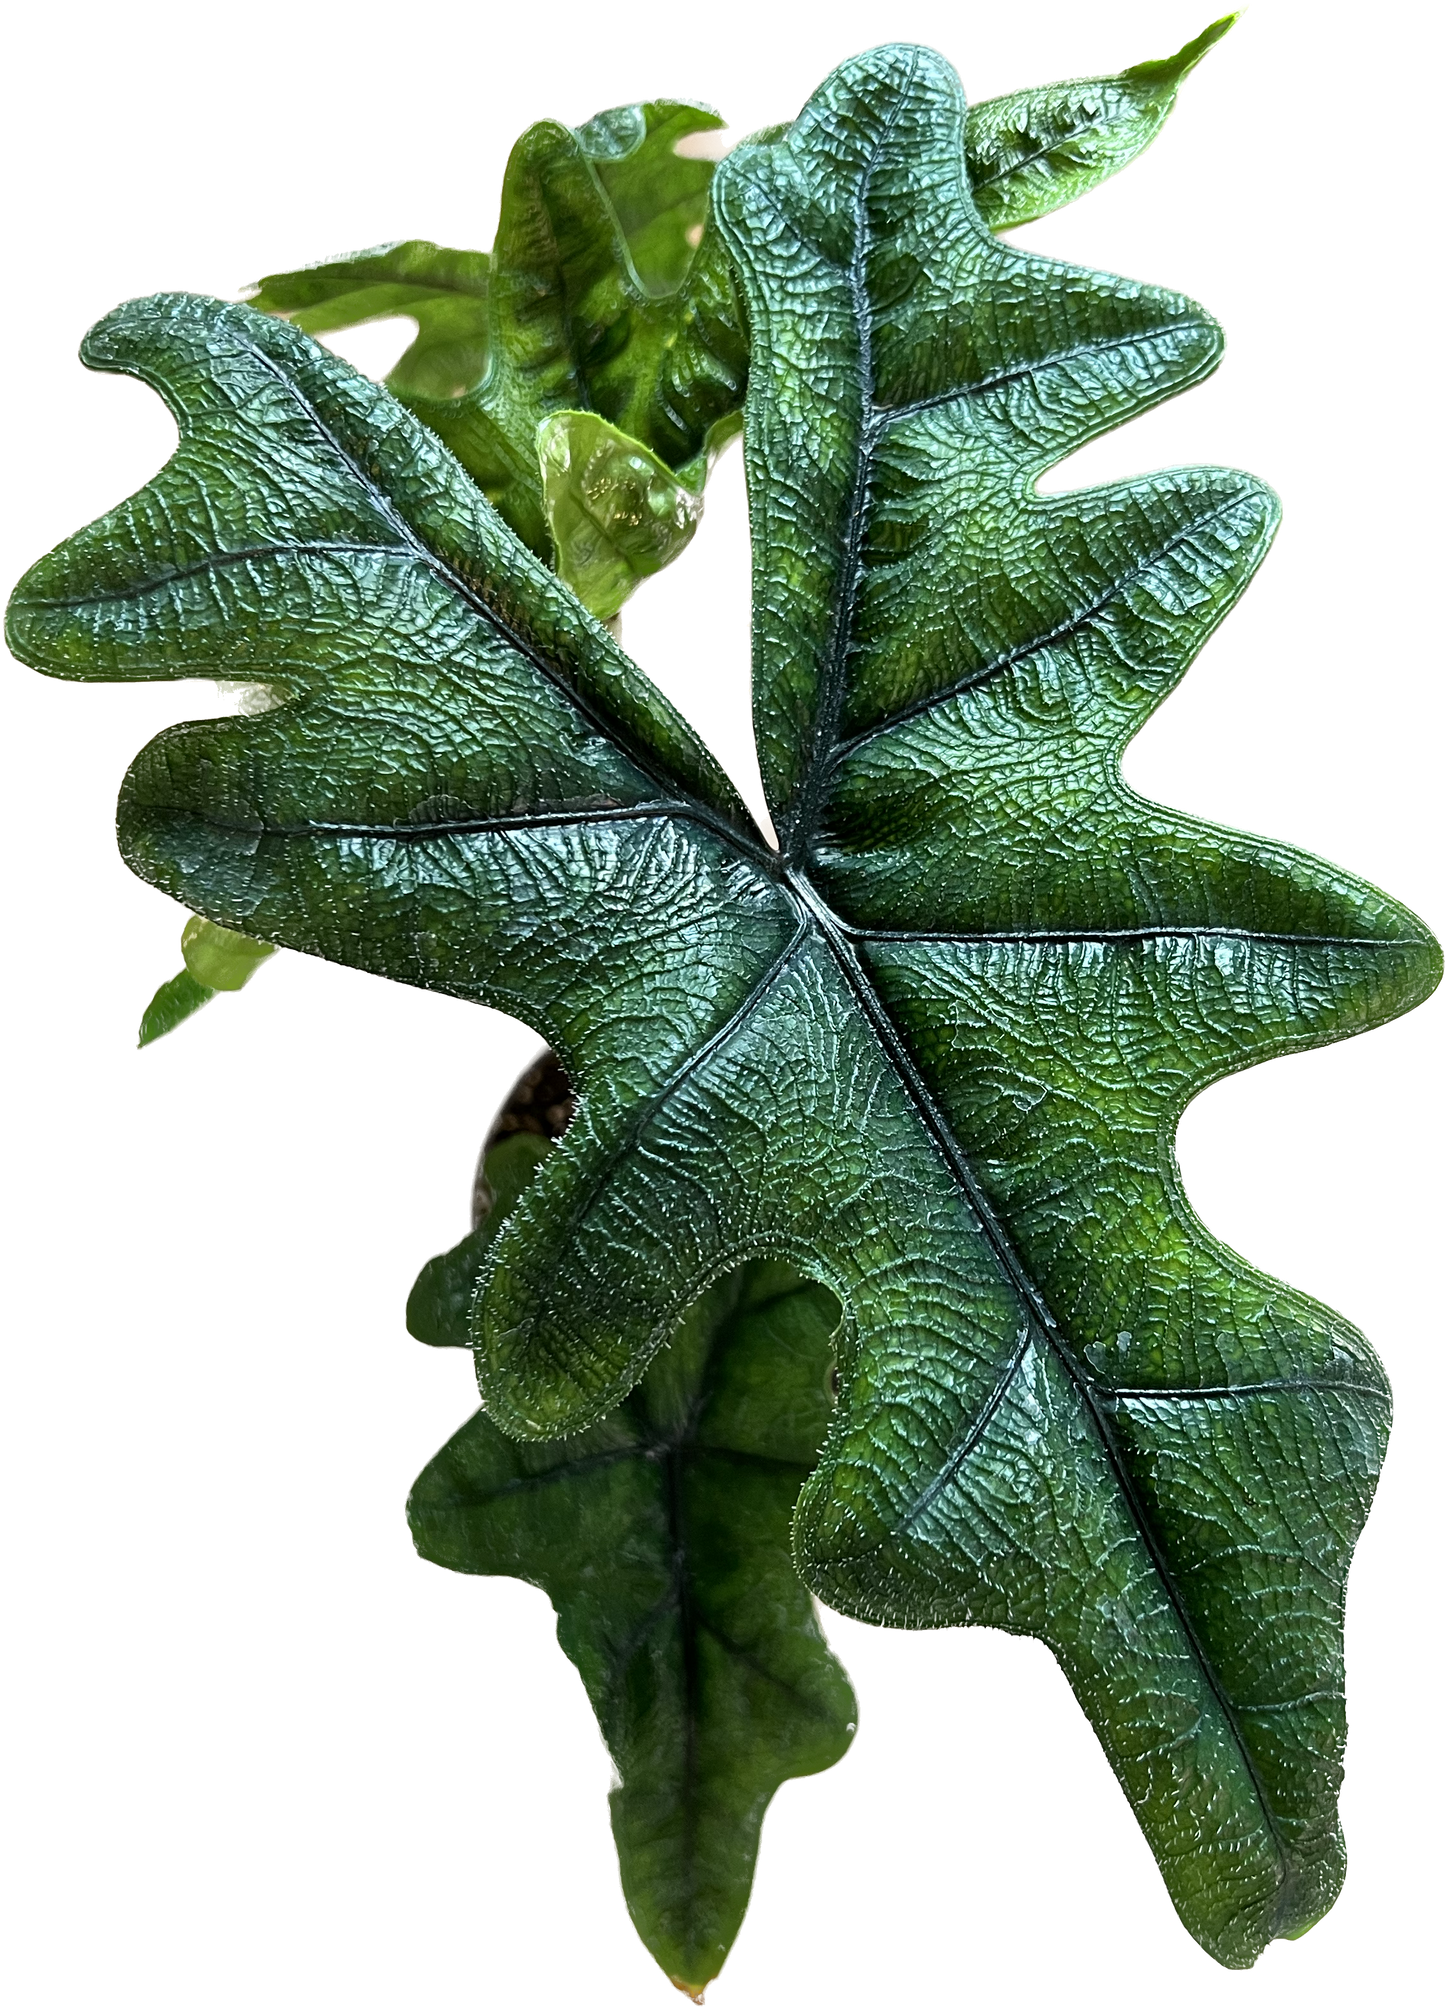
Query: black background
[{"x": 271, "y": 1739}]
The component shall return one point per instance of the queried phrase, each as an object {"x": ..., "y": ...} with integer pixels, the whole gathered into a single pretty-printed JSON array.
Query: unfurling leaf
[
  {"x": 661, "y": 1536},
  {"x": 933, "y": 1052},
  {"x": 616, "y": 513},
  {"x": 598, "y": 296},
  {"x": 658, "y": 196},
  {"x": 171, "y": 1005}
]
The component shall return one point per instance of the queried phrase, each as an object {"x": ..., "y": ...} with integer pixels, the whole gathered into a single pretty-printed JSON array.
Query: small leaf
[
  {"x": 616, "y": 513},
  {"x": 171, "y": 1005},
  {"x": 444, "y": 292},
  {"x": 661, "y": 1536},
  {"x": 218, "y": 957},
  {"x": 1035, "y": 150}
]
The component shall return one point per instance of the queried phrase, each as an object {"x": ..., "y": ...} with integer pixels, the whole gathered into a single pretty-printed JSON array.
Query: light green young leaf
[
  {"x": 1035, "y": 150},
  {"x": 615, "y": 512},
  {"x": 216, "y": 958},
  {"x": 661, "y": 1536},
  {"x": 658, "y": 196},
  {"x": 444, "y": 292}
]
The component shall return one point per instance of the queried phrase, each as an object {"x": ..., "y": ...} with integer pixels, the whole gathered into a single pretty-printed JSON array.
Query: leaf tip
[
  {"x": 171, "y": 1005},
  {"x": 1172, "y": 70},
  {"x": 686, "y": 1986}
]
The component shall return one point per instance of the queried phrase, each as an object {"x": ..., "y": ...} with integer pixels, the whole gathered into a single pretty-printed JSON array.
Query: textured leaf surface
[
  {"x": 611, "y": 294},
  {"x": 935, "y": 1053},
  {"x": 597, "y": 296},
  {"x": 1035, "y": 150},
  {"x": 661, "y": 1535}
]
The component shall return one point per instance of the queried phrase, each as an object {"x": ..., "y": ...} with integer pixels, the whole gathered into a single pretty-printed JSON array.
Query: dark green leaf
[
  {"x": 935, "y": 1053},
  {"x": 661, "y": 1535}
]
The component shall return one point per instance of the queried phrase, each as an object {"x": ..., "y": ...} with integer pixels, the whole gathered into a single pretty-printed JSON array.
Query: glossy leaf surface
[
  {"x": 611, "y": 294},
  {"x": 661, "y": 1536},
  {"x": 935, "y": 1053},
  {"x": 596, "y": 297}
]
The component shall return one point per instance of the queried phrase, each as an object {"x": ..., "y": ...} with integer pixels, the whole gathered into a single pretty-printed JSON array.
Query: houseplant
[{"x": 330, "y": 747}]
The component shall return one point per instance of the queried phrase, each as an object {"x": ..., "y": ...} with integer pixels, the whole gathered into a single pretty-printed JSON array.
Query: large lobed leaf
[
  {"x": 661, "y": 1535},
  {"x": 935, "y": 1052}
]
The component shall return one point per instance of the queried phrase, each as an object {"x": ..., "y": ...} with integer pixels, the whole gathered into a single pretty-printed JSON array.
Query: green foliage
[
  {"x": 1035, "y": 150},
  {"x": 607, "y": 292},
  {"x": 596, "y": 297},
  {"x": 216, "y": 958},
  {"x": 444, "y": 292},
  {"x": 933, "y": 1052},
  {"x": 661, "y": 1535}
]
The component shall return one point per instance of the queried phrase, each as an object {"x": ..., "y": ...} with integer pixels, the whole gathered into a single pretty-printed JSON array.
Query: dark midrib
[
  {"x": 218, "y": 561},
  {"x": 887, "y": 416},
  {"x": 650, "y": 1106},
  {"x": 830, "y": 700},
  {"x": 1233, "y": 1390},
  {"x": 606, "y": 726},
  {"x": 1119, "y": 937},
  {"x": 1041, "y": 1317},
  {"x": 482, "y": 825}
]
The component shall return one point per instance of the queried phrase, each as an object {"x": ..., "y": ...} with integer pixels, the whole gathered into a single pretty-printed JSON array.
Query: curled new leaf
[{"x": 616, "y": 513}]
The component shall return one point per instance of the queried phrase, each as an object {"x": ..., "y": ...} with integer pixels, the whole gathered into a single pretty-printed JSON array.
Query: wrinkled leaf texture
[
  {"x": 606, "y": 290},
  {"x": 934, "y": 1053}
]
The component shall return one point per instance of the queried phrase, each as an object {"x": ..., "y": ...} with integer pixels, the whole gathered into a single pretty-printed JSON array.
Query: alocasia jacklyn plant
[{"x": 860, "y": 1266}]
